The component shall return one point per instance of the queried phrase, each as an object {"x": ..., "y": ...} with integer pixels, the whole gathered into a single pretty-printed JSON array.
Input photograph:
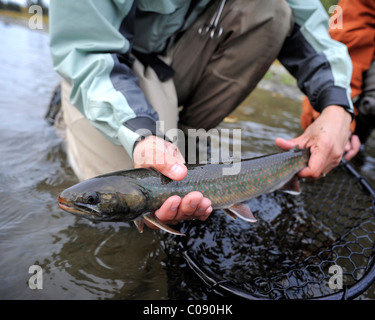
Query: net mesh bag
[{"x": 317, "y": 245}]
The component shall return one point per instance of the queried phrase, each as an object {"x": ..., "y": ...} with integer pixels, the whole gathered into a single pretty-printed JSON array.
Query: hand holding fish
[
  {"x": 326, "y": 138},
  {"x": 165, "y": 157}
]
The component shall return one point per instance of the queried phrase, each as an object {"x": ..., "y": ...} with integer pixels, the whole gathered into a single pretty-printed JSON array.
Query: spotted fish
[{"x": 135, "y": 194}]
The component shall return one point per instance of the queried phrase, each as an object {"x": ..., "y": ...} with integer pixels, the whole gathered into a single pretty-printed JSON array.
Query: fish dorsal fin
[
  {"x": 150, "y": 217},
  {"x": 292, "y": 186},
  {"x": 139, "y": 224},
  {"x": 242, "y": 210}
]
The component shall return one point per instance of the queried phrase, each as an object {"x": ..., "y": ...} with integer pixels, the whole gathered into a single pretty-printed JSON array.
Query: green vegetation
[
  {"x": 15, "y": 7},
  {"x": 11, "y": 12},
  {"x": 328, "y": 3}
]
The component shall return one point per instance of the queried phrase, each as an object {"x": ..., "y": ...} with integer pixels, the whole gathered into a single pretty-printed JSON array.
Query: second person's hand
[{"x": 326, "y": 138}]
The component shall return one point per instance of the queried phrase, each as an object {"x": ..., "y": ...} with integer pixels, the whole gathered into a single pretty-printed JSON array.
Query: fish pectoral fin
[
  {"x": 292, "y": 186},
  {"x": 230, "y": 213},
  {"x": 242, "y": 210},
  {"x": 150, "y": 217},
  {"x": 139, "y": 224}
]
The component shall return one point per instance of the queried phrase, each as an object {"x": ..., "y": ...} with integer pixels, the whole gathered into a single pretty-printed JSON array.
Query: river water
[{"x": 80, "y": 259}]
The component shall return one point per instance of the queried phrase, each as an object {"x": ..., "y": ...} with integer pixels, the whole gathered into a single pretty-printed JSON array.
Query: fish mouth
[
  {"x": 65, "y": 205},
  {"x": 78, "y": 208}
]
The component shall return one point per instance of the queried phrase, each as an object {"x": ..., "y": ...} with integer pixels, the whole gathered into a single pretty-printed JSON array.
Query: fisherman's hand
[
  {"x": 326, "y": 138},
  {"x": 155, "y": 152}
]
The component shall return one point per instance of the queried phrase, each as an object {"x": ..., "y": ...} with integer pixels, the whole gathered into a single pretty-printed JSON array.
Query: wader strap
[{"x": 162, "y": 70}]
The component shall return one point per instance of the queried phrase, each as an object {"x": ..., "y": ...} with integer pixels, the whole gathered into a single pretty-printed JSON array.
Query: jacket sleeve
[
  {"x": 358, "y": 34},
  {"x": 321, "y": 65},
  {"x": 90, "y": 42}
]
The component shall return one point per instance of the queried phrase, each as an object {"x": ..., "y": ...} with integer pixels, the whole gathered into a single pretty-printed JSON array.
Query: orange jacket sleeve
[{"x": 358, "y": 34}]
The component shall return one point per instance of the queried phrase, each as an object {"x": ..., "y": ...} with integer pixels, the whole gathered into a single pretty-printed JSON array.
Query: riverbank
[
  {"x": 281, "y": 83},
  {"x": 22, "y": 19}
]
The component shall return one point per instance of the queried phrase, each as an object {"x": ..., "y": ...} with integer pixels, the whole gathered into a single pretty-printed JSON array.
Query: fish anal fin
[
  {"x": 242, "y": 210},
  {"x": 292, "y": 186},
  {"x": 139, "y": 224},
  {"x": 150, "y": 217}
]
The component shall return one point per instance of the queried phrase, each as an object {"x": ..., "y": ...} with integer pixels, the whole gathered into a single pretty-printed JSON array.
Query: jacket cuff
[
  {"x": 335, "y": 96},
  {"x": 127, "y": 139},
  {"x": 134, "y": 130},
  {"x": 143, "y": 125}
]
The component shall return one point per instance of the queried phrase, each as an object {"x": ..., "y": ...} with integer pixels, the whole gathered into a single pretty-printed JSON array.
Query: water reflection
[{"x": 112, "y": 261}]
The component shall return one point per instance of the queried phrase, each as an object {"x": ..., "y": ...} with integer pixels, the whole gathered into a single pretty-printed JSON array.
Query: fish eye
[{"x": 92, "y": 198}]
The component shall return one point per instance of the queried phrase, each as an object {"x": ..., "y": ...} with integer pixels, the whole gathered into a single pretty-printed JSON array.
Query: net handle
[{"x": 362, "y": 180}]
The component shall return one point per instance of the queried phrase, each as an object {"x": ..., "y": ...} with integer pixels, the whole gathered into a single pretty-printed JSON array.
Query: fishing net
[{"x": 318, "y": 245}]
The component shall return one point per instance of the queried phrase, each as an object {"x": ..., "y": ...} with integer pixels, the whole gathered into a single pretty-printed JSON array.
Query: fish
[{"x": 135, "y": 194}]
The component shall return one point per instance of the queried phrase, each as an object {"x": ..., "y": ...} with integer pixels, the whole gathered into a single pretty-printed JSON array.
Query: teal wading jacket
[{"x": 91, "y": 40}]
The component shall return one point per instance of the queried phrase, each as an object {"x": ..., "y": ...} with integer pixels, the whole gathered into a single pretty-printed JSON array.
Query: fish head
[{"x": 105, "y": 198}]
